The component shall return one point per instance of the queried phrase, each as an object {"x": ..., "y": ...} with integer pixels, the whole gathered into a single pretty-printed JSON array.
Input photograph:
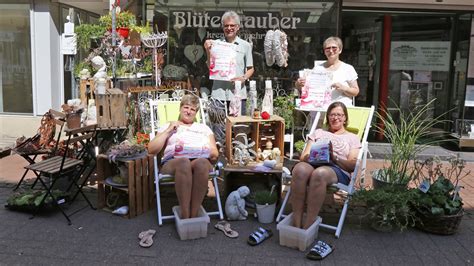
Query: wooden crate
[
  {"x": 111, "y": 109},
  {"x": 140, "y": 189},
  {"x": 87, "y": 89},
  {"x": 258, "y": 129}
]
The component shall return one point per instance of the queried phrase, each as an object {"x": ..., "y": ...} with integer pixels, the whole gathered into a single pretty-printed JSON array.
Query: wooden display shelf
[
  {"x": 140, "y": 188},
  {"x": 259, "y": 128}
]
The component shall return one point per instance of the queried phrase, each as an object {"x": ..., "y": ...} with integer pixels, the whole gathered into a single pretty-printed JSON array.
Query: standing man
[{"x": 222, "y": 90}]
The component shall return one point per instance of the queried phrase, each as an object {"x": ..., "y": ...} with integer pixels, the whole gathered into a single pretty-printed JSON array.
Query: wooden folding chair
[
  {"x": 78, "y": 154},
  {"x": 162, "y": 112},
  {"x": 52, "y": 124},
  {"x": 360, "y": 119}
]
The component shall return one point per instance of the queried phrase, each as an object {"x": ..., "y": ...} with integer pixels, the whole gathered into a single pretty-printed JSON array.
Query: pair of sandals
[{"x": 146, "y": 238}]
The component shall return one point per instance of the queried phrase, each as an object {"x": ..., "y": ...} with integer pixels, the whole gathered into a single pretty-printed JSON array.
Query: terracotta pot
[{"x": 73, "y": 120}]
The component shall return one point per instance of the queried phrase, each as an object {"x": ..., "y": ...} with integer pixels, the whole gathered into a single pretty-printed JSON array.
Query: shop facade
[{"x": 378, "y": 37}]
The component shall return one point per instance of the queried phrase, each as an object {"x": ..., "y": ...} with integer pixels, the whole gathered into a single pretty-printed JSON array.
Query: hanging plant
[
  {"x": 124, "y": 19},
  {"x": 86, "y": 32}
]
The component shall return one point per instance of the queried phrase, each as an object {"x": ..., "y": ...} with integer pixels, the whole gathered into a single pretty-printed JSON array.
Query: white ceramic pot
[{"x": 266, "y": 213}]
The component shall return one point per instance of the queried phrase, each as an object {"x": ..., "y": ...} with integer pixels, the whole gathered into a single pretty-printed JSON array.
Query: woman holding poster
[
  {"x": 226, "y": 67},
  {"x": 189, "y": 150},
  {"x": 343, "y": 76}
]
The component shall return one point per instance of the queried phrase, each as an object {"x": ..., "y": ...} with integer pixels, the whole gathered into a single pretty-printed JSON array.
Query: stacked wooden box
[{"x": 140, "y": 188}]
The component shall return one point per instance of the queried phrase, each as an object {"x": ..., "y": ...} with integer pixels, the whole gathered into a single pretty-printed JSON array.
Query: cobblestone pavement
[{"x": 98, "y": 237}]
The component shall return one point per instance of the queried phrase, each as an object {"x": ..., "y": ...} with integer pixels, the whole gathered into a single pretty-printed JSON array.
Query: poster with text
[
  {"x": 222, "y": 63},
  {"x": 316, "y": 92}
]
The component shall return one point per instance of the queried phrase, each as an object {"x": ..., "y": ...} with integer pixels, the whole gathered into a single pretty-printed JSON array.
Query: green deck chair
[
  {"x": 360, "y": 119},
  {"x": 162, "y": 112}
]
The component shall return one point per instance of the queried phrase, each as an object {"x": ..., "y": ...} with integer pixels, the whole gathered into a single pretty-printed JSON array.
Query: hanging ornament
[
  {"x": 193, "y": 52},
  {"x": 179, "y": 30}
]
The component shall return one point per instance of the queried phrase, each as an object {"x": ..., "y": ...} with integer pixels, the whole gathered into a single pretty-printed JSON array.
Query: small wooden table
[{"x": 236, "y": 176}]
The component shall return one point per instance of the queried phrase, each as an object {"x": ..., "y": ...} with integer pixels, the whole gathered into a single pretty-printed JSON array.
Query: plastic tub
[
  {"x": 191, "y": 228},
  {"x": 293, "y": 237}
]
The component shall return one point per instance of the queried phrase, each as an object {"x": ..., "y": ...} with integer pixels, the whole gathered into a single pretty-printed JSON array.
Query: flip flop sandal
[
  {"x": 146, "y": 238},
  {"x": 320, "y": 251},
  {"x": 259, "y": 235},
  {"x": 225, "y": 228}
]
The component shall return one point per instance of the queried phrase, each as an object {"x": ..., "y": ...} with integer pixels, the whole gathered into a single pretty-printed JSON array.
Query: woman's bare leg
[
  {"x": 201, "y": 168},
  {"x": 181, "y": 169},
  {"x": 299, "y": 181},
  {"x": 320, "y": 179}
]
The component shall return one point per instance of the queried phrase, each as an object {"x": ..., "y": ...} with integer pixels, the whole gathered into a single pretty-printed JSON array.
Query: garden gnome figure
[{"x": 235, "y": 204}]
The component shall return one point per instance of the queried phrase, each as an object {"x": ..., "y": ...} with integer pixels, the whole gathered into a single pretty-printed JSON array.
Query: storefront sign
[
  {"x": 265, "y": 21},
  {"x": 429, "y": 56}
]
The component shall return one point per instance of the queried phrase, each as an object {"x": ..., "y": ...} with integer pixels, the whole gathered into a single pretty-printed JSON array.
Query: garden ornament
[
  {"x": 235, "y": 204},
  {"x": 99, "y": 64},
  {"x": 242, "y": 150},
  {"x": 193, "y": 53}
]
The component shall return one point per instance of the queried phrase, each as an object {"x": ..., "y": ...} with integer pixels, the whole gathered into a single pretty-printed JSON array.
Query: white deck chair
[
  {"x": 360, "y": 119},
  {"x": 162, "y": 112}
]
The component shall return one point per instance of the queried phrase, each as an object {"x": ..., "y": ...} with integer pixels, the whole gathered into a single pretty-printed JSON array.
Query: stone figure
[
  {"x": 99, "y": 64},
  {"x": 235, "y": 204}
]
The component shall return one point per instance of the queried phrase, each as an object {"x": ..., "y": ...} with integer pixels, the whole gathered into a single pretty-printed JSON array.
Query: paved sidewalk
[{"x": 98, "y": 237}]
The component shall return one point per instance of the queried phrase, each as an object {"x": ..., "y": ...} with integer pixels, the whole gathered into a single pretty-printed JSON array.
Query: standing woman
[
  {"x": 344, "y": 76},
  {"x": 191, "y": 172}
]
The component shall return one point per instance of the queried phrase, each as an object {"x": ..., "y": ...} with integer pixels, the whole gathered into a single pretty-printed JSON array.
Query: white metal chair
[
  {"x": 360, "y": 119},
  {"x": 162, "y": 112}
]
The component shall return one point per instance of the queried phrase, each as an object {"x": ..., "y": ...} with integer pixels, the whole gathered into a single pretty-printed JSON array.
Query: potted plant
[
  {"x": 283, "y": 107},
  {"x": 405, "y": 137},
  {"x": 124, "y": 20},
  {"x": 265, "y": 202},
  {"x": 388, "y": 208},
  {"x": 438, "y": 203}
]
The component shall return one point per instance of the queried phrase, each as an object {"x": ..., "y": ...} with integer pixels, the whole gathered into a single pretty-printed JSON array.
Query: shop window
[
  {"x": 306, "y": 28},
  {"x": 16, "y": 94}
]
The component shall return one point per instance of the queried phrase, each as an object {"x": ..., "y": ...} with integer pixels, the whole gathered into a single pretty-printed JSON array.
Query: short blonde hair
[
  {"x": 337, "y": 40},
  {"x": 190, "y": 100}
]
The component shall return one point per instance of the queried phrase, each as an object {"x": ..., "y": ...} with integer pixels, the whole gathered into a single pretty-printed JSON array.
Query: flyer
[
  {"x": 222, "y": 64},
  {"x": 316, "y": 92}
]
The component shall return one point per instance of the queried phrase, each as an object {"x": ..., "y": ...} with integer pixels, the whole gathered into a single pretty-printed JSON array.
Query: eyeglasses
[
  {"x": 230, "y": 26},
  {"x": 334, "y": 48},
  {"x": 336, "y": 115}
]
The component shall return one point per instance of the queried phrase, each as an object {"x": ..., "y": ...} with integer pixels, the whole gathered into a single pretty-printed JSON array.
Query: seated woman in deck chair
[
  {"x": 310, "y": 179},
  {"x": 189, "y": 152}
]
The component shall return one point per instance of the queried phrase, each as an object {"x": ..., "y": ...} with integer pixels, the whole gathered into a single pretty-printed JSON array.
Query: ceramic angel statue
[{"x": 235, "y": 204}]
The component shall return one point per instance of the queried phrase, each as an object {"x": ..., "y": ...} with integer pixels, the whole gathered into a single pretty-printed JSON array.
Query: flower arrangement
[
  {"x": 437, "y": 202},
  {"x": 73, "y": 106},
  {"x": 125, "y": 150},
  {"x": 123, "y": 19},
  {"x": 439, "y": 187}
]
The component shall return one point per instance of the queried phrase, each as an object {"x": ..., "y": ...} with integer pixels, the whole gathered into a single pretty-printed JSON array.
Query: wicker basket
[{"x": 441, "y": 225}]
